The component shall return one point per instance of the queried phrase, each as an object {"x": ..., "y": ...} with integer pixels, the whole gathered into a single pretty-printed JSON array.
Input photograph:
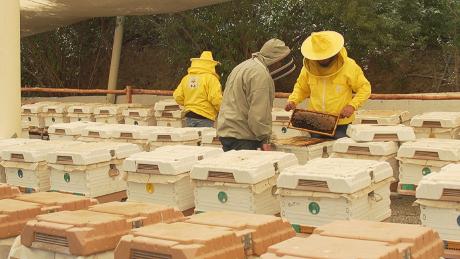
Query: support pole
[
  {"x": 10, "y": 70},
  {"x": 116, "y": 53}
]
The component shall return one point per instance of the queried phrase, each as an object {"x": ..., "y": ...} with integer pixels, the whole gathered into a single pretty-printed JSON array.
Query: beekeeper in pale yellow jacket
[
  {"x": 329, "y": 77},
  {"x": 200, "y": 92}
]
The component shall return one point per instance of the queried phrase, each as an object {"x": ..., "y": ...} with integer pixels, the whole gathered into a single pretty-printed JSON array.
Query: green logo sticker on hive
[
  {"x": 67, "y": 177},
  {"x": 426, "y": 171},
  {"x": 313, "y": 208},
  {"x": 222, "y": 196},
  {"x": 20, "y": 173},
  {"x": 284, "y": 130},
  {"x": 149, "y": 187},
  {"x": 458, "y": 220}
]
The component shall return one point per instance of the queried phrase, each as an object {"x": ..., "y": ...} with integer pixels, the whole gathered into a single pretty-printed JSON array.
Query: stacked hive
[
  {"x": 362, "y": 239},
  {"x": 97, "y": 132},
  {"x": 90, "y": 169},
  {"x": 165, "y": 136},
  {"x": 56, "y": 113},
  {"x": 6, "y": 143},
  {"x": 139, "y": 135},
  {"x": 304, "y": 148},
  {"x": 243, "y": 181},
  {"x": 439, "y": 198},
  {"x": 68, "y": 131},
  {"x": 84, "y": 234},
  {"x": 16, "y": 210},
  {"x": 381, "y": 117},
  {"x": 139, "y": 116},
  {"x": 207, "y": 235},
  {"x": 112, "y": 113},
  {"x": 26, "y": 166},
  {"x": 33, "y": 118},
  {"x": 422, "y": 157},
  {"x": 209, "y": 138},
  {"x": 82, "y": 112},
  {"x": 169, "y": 114},
  {"x": 163, "y": 176},
  {"x": 280, "y": 123},
  {"x": 444, "y": 125},
  {"x": 328, "y": 189}
]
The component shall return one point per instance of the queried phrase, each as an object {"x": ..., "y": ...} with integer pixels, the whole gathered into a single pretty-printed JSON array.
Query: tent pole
[{"x": 116, "y": 53}]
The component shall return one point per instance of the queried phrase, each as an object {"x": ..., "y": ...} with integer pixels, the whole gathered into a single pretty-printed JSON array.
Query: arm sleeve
[
  {"x": 260, "y": 106},
  {"x": 361, "y": 87},
  {"x": 215, "y": 93},
  {"x": 301, "y": 88},
  {"x": 179, "y": 94}
]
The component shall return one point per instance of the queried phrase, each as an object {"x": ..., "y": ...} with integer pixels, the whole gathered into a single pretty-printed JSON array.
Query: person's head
[
  {"x": 323, "y": 47},
  {"x": 277, "y": 57}
]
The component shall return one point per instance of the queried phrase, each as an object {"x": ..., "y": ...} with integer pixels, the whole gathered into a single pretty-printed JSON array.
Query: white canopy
[{"x": 44, "y": 15}]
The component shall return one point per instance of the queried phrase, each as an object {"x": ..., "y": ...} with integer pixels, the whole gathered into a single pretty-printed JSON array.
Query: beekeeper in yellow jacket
[
  {"x": 329, "y": 77},
  {"x": 200, "y": 92}
]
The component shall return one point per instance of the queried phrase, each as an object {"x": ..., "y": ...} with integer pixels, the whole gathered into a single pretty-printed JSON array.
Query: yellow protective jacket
[
  {"x": 200, "y": 90},
  {"x": 331, "y": 89}
]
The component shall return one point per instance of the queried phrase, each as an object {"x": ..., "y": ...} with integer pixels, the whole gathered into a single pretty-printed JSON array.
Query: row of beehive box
[
  {"x": 67, "y": 226},
  {"x": 45, "y": 114}
]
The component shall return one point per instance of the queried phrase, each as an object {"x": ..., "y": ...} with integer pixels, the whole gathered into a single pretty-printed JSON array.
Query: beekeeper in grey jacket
[{"x": 245, "y": 118}]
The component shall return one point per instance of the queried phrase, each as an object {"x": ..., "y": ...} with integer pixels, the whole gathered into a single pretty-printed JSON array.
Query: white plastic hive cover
[
  {"x": 34, "y": 151},
  {"x": 166, "y": 134},
  {"x": 444, "y": 185},
  {"x": 349, "y": 146},
  {"x": 104, "y": 131},
  {"x": 169, "y": 160},
  {"x": 244, "y": 166},
  {"x": 363, "y": 132},
  {"x": 70, "y": 129},
  {"x": 281, "y": 115},
  {"x": 113, "y": 109},
  {"x": 91, "y": 153},
  {"x": 133, "y": 131},
  {"x": 86, "y": 108},
  {"x": 138, "y": 112},
  {"x": 11, "y": 142},
  {"x": 436, "y": 120},
  {"x": 166, "y": 105},
  {"x": 209, "y": 136},
  {"x": 58, "y": 107},
  {"x": 337, "y": 175},
  {"x": 431, "y": 149},
  {"x": 381, "y": 117},
  {"x": 35, "y": 107}
]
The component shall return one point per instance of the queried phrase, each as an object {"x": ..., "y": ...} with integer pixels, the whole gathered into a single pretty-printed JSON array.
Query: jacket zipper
[{"x": 324, "y": 95}]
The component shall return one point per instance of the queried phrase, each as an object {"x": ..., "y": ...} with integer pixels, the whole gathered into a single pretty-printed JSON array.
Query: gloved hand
[
  {"x": 290, "y": 106},
  {"x": 347, "y": 111}
]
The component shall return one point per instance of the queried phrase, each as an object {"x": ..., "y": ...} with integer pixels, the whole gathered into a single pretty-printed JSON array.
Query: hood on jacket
[
  {"x": 205, "y": 64},
  {"x": 315, "y": 69}
]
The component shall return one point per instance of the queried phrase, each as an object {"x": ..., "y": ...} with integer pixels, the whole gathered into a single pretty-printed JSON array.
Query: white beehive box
[
  {"x": 26, "y": 166},
  {"x": 328, "y": 189},
  {"x": 112, "y": 113},
  {"x": 7, "y": 143},
  {"x": 424, "y": 156},
  {"x": 90, "y": 169},
  {"x": 166, "y": 105},
  {"x": 98, "y": 133},
  {"x": 164, "y": 136},
  {"x": 241, "y": 181},
  {"x": 32, "y": 114},
  {"x": 165, "y": 122},
  {"x": 439, "y": 133},
  {"x": 139, "y": 116},
  {"x": 68, "y": 131},
  {"x": 139, "y": 135},
  {"x": 439, "y": 199},
  {"x": 436, "y": 120},
  {"x": 381, "y": 117},
  {"x": 280, "y": 123},
  {"x": 56, "y": 113},
  {"x": 163, "y": 176},
  {"x": 371, "y": 133},
  {"x": 304, "y": 148},
  {"x": 82, "y": 112},
  {"x": 209, "y": 138}
]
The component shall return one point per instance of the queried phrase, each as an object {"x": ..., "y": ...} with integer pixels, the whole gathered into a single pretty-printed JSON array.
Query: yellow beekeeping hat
[
  {"x": 322, "y": 45},
  {"x": 207, "y": 57}
]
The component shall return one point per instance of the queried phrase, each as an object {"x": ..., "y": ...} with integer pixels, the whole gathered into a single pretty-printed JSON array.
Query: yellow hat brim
[
  {"x": 335, "y": 38},
  {"x": 206, "y": 60}
]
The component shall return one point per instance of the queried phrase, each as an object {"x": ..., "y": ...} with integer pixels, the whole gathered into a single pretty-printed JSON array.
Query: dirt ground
[{"x": 403, "y": 210}]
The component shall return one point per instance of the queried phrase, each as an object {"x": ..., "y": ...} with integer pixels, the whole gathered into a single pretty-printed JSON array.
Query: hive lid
[
  {"x": 138, "y": 112},
  {"x": 114, "y": 109},
  {"x": 11, "y": 142},
  {"x": 70, "y": 129},
  {"x": 349, "y": 146},
  {"x": 321, "y": 247},
  {"x": 86, "y": 108},
  {"x": 431, "y": 149},
  {"x": 34, "y": 151},
  {"x": 167, "y": 105},
  {"x": 418, "y": 238},
  {"x": 337, "y": 175},
  {"x": 8, "y": 191},
  {"x": 209, "y": 137},
  {"x": 169, "y": 160},
  {"x": 124, "y": 131},
  {"x": 58, "y": 107},
  {"x": 381, "y": 117},
  {"x": 80, "y": 232},
  {"x": 436, "y": 120},
  {"x": 140, "y": 214},
  {"x": 35, "y": 107},
  {"x": 53, "y": 201},
  {"x": 91, "y": 153},
  {"x": 244, "y": 166},
  {"x": 166, "y": 134},
  {"x": 103, "y": 131},
  {"x": 363, "y": 132},
  {"x": 14, "y": 214},
  {"x": 281, "y": 115},
  {"x": 444, "y": 185}
]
